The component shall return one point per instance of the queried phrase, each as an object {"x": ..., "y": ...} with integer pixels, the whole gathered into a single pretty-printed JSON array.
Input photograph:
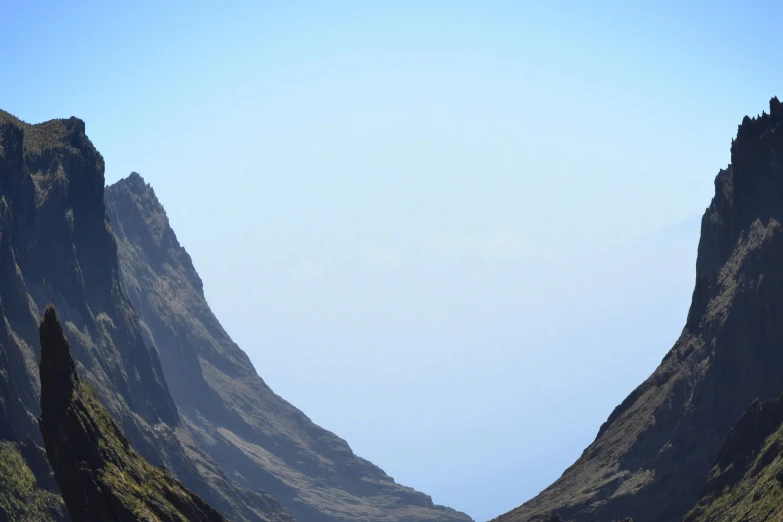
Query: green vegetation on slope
[
  {"x": 756, "y": 498},
  {"x": 746, "y": 483},
  {"x": 20, "y": 497}
]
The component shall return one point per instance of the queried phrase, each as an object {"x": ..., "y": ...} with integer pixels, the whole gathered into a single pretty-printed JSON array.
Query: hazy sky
[{"x": 455, "y": 233}]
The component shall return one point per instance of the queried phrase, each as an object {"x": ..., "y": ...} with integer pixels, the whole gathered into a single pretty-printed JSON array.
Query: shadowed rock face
[
  {"x": 57, "y": 246},
  {"x": 254, "y": 435},
  {"x": 746, "y": 482},
  {"x": 100, "y": 476},
  {"x": 652, "y": 457}
]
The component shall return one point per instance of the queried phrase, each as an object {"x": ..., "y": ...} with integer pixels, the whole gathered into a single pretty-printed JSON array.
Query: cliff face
[
  {"x": 652, "y": 456},
  {"x": 746, "y": 482},
  {"x": 100, "y": 476},
  {"x": 57, "y": 246},
  {"x": 254, "y": 435}
]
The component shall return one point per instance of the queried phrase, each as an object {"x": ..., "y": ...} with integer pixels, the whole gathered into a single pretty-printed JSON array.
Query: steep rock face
[
  {"x": 746, "y": 482},
  {"x": 100, "y": 476},
  {"x": 57, "y": 246},
  {"x": 256, "y": 436},
  {"x": 652, "y": 456}
]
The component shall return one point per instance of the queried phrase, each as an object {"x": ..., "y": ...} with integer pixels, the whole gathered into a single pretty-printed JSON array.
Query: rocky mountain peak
[
  {"x": 137, "y": 184},
  {"x": 59, "y": 380},
  {"x": 144, "y": 217}
]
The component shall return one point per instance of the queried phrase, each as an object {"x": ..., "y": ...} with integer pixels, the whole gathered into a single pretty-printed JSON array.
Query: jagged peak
[
  {"x": 750, "y": 188},
  {"x": 139, "y": 189},
  {"x": 133, "y": 192},
  {"x": 59, "y": 379},
  {"x": 755, "y": 126},
  {"x": 136, "y": 184},
  {"x": 136, "y": 179}
]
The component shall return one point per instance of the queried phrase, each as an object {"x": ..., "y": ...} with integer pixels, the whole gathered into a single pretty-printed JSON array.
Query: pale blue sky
[{"x": 455, "y": 233}]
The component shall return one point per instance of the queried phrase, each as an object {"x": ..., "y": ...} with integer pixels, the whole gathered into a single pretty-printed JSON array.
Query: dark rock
[
  {"x": 745, "y": 482},
  {"x": 652, "y": 457},
  {"x": 100, "y": 476},
  {"x": 35, "y": 457}
]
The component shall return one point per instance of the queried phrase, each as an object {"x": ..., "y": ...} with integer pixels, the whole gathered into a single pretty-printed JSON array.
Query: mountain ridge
[
  {"x": 654, "y": 452},
  {"x": 254, "y": 434}
]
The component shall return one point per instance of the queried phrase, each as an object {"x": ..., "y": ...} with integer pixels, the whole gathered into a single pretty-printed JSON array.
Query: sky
[{"x": 457, "y": 234}]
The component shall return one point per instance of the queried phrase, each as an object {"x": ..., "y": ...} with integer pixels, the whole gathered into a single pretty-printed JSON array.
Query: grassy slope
[
  {"x": 746, "y": 483},
  {"x": 20, "y": 497},
  {"x": 757, "y": 497},
  {"x": 143, "y": 489}
]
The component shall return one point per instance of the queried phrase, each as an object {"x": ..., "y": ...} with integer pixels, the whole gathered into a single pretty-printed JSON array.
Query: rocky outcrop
[
  {"x": 258, "y": 438},
  {"x": 57, "y": 246},
  {"x": 652, "y": 457},
  {"x": 100, "y": 476},
  {"x": 746, "y": 482}
]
